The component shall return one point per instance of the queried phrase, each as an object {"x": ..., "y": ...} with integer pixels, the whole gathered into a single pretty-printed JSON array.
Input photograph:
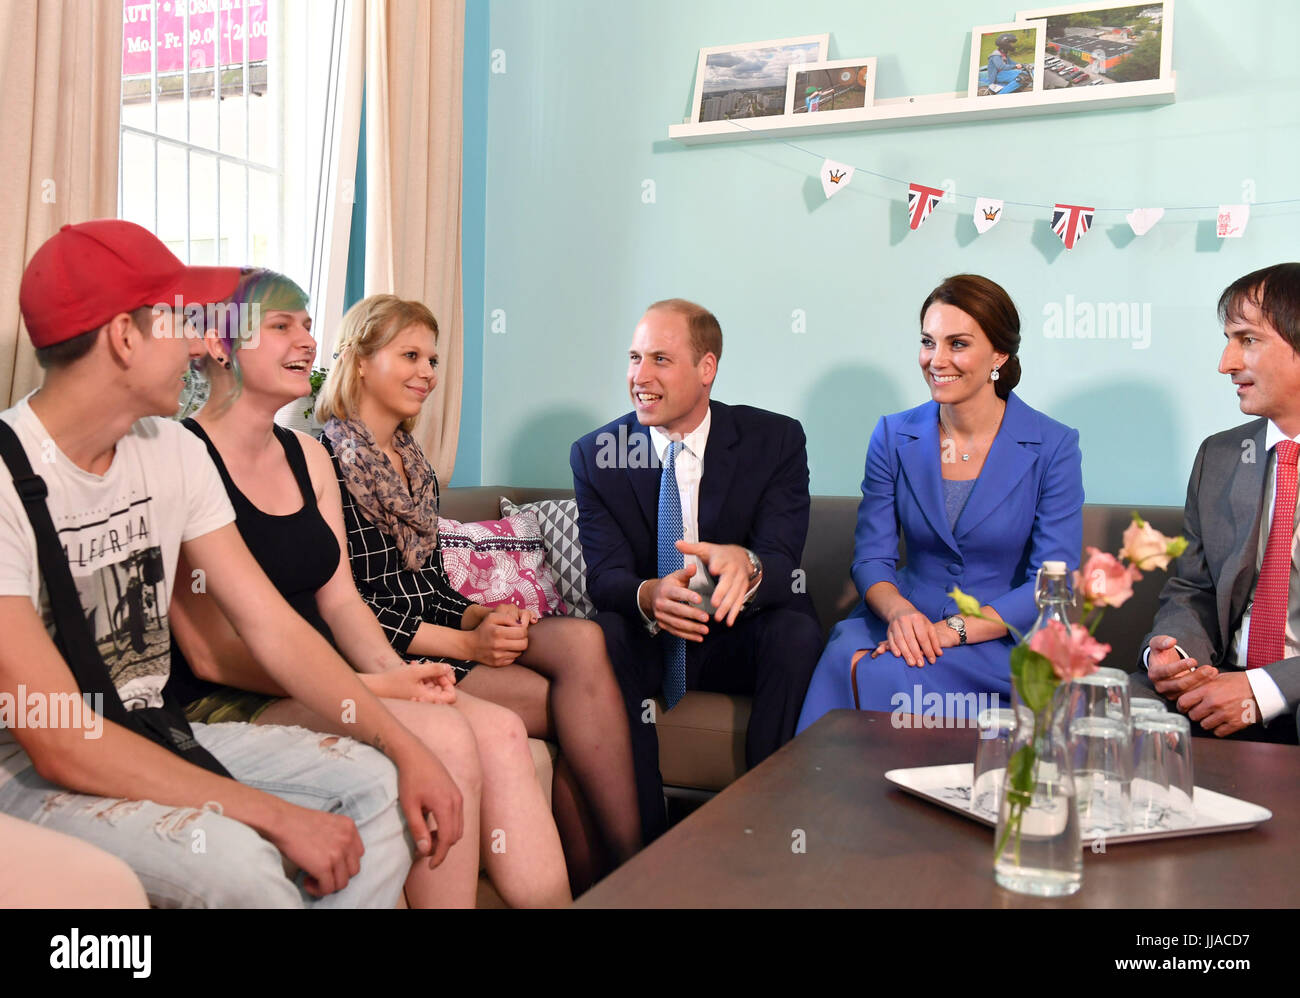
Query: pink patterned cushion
[{"x": 500, "y": 561}]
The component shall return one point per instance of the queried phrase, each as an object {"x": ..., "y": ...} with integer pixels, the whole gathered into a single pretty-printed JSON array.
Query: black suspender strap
[{"x": 72, "y": 634}]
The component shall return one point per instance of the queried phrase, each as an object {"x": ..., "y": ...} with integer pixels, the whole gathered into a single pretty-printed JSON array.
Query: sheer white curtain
[{"x": 60, "y": 80}]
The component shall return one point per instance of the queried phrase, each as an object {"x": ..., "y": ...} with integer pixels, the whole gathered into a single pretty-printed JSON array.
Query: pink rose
[
  {"x": 1147, "y": 548},
  {"x": 1104, "y": 580},
  {"x": 1075, "y": 654}
]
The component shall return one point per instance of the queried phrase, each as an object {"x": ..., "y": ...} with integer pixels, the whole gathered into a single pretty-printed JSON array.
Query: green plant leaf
[
  {"x": 1020, "y": 773},
  {"x": 1034, "y": 677}
]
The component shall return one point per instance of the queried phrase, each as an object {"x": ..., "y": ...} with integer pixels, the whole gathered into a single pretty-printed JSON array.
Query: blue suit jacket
[
  {"x": 1025, "y": 508},
  {"x": 754, "y": 492}
]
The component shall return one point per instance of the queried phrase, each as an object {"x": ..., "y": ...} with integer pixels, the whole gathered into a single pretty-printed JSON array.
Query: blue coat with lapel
[{"x": 1025, "y": 508}]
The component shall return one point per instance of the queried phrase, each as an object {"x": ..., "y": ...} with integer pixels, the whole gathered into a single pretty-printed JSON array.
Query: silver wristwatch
[{"x": 959, "y": 625}]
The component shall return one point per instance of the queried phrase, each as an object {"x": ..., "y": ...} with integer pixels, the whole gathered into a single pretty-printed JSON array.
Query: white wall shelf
[{"x": 930, "y": 109}]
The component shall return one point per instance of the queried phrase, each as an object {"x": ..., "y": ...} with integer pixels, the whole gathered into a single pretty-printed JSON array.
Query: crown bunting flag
[
  {"x": 1070, "y": 222},
  {"x": 988, "y": 212},
  {"x": 1140, "y": 220},
  {"x": 835, "y": 177},
  {"x": 920, "y": 202}
]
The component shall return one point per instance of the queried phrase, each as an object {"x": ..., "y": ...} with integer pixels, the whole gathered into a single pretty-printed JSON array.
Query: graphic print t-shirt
[{"x": 122, "y": 533}]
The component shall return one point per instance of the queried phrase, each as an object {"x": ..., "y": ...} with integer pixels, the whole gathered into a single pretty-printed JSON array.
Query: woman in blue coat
[{"x": 984, "y": 489}]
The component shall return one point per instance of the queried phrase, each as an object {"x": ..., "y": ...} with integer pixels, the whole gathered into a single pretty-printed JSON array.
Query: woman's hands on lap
[
  {"x": 915, "y": 638},
  {"x": 499, "y": 634}
]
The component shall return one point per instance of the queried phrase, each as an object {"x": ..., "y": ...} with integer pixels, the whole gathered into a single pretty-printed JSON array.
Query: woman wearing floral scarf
[{"x": 553, "y": 672}]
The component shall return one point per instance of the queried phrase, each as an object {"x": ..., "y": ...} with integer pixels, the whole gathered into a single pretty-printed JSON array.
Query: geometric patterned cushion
[
  {"x": 500, "y": 561},
  {"x": 559, "y": 521}
]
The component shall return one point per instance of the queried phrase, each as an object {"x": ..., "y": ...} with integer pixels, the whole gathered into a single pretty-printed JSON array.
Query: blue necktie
[{"x": 671, "y": 560}]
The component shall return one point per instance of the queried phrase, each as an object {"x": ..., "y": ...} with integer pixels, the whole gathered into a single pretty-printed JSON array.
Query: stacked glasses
[
  {"x": 1162, "y": 771},
  {"x": 1132, "y": 761},
  {"x": 1101, "y": 751}
]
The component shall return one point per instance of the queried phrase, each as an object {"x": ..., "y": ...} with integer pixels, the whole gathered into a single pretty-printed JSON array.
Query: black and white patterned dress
[{"x": 400, "y": 598}]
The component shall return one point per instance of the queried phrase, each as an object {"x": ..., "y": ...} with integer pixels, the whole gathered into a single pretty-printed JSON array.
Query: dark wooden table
[{"x": 869, "y": 844}]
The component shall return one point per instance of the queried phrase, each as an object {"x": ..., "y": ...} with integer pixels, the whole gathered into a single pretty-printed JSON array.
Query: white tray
[{"x": 950, "y": 787}]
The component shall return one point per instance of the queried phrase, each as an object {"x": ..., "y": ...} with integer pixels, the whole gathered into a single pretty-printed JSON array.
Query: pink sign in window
[{"x": 217, "y": 30}]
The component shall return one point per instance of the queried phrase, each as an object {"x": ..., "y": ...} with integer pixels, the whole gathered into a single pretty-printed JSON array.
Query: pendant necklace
[{"x": 953, "y": 438}]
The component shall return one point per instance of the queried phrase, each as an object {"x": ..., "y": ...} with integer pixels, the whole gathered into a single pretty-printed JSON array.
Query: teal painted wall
[
  {"x": 578, "y": 122},
  {"x": 354, "y": 285}
]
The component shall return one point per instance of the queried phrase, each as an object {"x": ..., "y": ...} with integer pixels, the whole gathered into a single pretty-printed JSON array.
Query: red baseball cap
[{"x": 85, "y": 274}]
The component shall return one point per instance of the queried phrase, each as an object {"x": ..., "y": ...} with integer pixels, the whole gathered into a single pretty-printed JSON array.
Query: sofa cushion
[
  {"x": 702, "y": 739},
  {"x": 559, "y": 522},
  {"x": 500, "y": 561}
]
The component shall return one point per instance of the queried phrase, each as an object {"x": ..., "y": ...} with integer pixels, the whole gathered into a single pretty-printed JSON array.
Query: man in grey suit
[{"x": 1226, "y": 642}]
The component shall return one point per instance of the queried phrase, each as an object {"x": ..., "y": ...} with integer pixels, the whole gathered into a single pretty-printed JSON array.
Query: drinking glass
[
  {"x": 997, "y": 728},
  {"x": 1101, "y": 751},
  {"x": 1162, "y": 772}
]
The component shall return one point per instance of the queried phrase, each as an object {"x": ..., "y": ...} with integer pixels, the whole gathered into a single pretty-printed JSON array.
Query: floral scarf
[{"x": 409, "y": 517}]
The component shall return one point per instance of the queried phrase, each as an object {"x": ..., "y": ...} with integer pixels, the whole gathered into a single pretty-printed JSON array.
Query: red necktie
[{"x": 1268, "y": 615}]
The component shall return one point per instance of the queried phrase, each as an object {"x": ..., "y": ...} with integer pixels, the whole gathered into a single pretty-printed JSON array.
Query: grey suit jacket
[{"x": 1206, "y": 595}]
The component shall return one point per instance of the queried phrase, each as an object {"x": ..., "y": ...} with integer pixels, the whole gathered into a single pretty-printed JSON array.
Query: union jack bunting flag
[
  {"x": 920, "y": 202},
  {"x": 1070, "y": 222}
]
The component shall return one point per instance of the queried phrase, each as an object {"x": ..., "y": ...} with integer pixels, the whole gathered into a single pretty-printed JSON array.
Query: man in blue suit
[{"x": 693, "y": 516}]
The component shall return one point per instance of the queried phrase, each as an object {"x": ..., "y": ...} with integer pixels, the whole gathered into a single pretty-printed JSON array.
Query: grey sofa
[{"x": 702, "y": 741}]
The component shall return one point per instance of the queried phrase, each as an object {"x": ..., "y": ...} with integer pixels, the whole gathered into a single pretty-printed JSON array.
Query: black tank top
[{"x": 298, "y": 553}]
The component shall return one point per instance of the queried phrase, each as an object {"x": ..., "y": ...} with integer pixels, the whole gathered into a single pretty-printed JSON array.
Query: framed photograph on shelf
[
  {"x": 838, "y": 90},
  {"x": 1006, "y": 59},
  {"x": 750, "y": 80},
  {"x": 1093, "y": 45}
]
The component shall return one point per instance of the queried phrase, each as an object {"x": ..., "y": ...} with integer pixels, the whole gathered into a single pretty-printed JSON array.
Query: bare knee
[
  {"x": 501, "y": 735},
  {"x": 448, "y": 735}
]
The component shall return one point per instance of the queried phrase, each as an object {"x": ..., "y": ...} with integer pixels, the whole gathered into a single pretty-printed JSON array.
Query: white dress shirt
[{"x": 1268, "y": 696}]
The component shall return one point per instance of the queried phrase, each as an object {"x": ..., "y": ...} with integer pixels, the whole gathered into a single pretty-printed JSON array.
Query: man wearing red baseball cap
[{"x": 125, "y": 491}]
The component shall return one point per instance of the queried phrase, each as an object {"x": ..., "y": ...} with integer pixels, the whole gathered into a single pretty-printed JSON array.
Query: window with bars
[{"x": 227, "y": 112}]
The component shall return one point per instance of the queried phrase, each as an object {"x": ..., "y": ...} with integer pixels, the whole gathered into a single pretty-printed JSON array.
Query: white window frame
[{"x": 315, "y": 257}]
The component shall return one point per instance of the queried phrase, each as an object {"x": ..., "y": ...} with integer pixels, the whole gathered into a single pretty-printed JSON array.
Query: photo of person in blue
[{"x": 1002, "y": 73}]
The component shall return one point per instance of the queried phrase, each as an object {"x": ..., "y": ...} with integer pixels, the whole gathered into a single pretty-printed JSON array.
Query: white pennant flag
[
  {"x": 1232, "y": 219},
  {"x": 1140, "y": 220},
  {"x": 835, "y": 177},
  {"x": 988, "y": 212}
]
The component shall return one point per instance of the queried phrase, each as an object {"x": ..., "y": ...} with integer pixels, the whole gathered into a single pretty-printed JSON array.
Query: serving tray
[{"x": 950, "y": 787}]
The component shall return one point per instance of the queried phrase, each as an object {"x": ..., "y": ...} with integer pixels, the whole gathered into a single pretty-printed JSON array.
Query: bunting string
[{"x": 1020, "y": 204}]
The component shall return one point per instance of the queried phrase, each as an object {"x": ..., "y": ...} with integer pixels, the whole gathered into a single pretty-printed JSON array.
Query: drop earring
[{"x": 993, "y": 375}]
